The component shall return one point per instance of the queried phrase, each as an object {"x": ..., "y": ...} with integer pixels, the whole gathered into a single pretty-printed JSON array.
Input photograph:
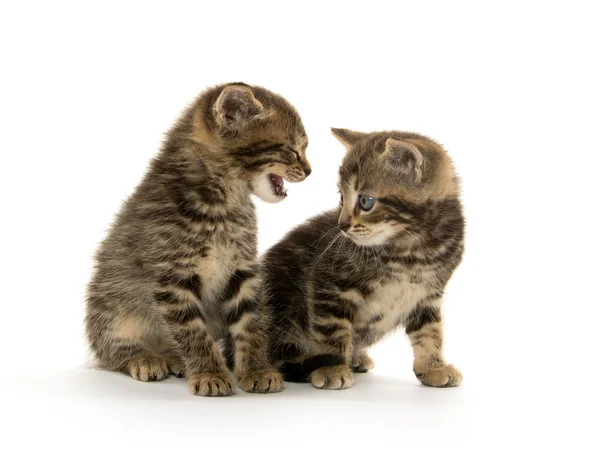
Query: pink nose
[{"x": 344, "y": 225}]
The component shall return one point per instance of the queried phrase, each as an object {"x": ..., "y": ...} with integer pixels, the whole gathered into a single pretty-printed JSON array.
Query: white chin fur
[
  {"x": 377, "y": 239},
  {"x": 262, "y": 188}
]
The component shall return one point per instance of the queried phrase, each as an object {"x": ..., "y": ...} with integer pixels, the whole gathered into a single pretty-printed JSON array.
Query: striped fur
[
  {"x": 177, "y": 273},
  {"x": 340, "y": 282}
]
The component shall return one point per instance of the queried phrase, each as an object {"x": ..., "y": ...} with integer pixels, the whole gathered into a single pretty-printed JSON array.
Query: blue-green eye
[{"x": 366, "y": 202}]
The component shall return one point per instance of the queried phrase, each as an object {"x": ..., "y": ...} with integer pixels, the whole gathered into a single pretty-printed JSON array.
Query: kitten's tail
[{"x": 302, "y": 370}]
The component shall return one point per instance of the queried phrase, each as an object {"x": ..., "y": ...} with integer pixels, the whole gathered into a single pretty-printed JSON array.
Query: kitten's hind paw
[
  {"x": 445, "y": 376},
  {"x": 211, "y": 385},
  {"x": 332, "y": 377},
  {"x": 148, "y": 368},
  {"x": 268, "y": 381}
]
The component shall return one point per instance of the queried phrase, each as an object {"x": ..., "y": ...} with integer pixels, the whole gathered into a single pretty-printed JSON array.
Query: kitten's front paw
[
  {"x": 445, "y": 376},
  {"x": 261, "y": 382},
  {"x": 148, "y": 368},
  {"x": 363, "y": 364},
  {"x": 333, "y": 377},
  {"x": 211, "y": 385}
]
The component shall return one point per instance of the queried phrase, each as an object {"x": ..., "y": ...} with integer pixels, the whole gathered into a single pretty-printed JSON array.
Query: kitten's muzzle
[
  {"x": 295, "y": 174},
  {"x": 344, "y": 223}
]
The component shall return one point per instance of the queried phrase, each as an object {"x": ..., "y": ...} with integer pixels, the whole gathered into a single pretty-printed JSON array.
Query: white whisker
[{"x": 326, "y": 249}]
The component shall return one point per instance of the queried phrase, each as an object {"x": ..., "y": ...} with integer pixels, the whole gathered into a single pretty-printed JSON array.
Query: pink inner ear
[
  {"x": 229, "y": 108},
  {"x": 400, "y": 156},
  {"x": 235, "y": 103},
  {"x": 405, "y": 158}
]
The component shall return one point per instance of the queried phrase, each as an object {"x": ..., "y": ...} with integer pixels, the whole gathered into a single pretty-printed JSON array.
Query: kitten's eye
[
  {"x": 294, "y": 152},
  {"x": 366, "y": 202}
]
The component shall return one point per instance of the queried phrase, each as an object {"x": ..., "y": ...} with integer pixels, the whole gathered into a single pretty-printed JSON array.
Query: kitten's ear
[
  {"x": 236, "y": 105},
  {"x": 404, "y": 158},
  {"x": 346, "y": 137}
]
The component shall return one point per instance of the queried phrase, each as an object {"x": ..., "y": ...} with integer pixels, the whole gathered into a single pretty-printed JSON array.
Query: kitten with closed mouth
[{"x": 341, "y": 281}]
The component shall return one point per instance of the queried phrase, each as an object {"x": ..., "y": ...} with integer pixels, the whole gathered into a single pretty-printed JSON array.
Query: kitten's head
[
  {"x": 388, "y": 183},
  {"x": 260, "y": 133}
]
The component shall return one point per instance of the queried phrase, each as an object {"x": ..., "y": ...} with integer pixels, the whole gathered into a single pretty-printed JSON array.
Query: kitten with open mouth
[{"x": 177, "y": 283}]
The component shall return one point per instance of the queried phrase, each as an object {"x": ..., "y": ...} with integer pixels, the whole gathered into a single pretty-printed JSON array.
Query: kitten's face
[
  {"x": 387, "y": 181},
  {"x": 364, "y": 216},
  {"x": 263, "y": 136},
  {"x": 286, "y": 160}
]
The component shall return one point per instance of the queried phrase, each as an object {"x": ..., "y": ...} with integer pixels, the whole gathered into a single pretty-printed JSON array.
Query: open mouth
[
  {"x": 277, "y": 185},
  {"x": 269, "y": 188}
]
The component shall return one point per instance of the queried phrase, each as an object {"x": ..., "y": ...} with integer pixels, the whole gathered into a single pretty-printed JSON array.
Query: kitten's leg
[
  {"x": 424, "y": 329},
  {"x": 122, "y": 343},
  {"x": 147, "y": 367},
  {"x": 332, "y": 334},
  {"x": 228, "y": 349},
  {"x": 205, "y": 370},
  {"x": 248, "y": 329},
  {"x": 175, "y": 363},
  {"x": 361, "y": 362}
]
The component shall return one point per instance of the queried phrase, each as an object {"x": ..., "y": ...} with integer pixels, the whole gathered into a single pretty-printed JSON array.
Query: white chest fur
[
  {"x": 215, "y": 270},
  {"x": 390, "y": 303}
]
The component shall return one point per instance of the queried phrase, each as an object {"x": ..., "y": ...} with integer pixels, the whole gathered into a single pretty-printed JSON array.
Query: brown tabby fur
[
  {"x": 340, "y": 282},
  {"x": 177, "y": 272}
]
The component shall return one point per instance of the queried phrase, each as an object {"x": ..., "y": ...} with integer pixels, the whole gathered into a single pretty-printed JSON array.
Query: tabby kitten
[
  {"x": 177, "y": 272},
  {"x": 338, "y": 283}
]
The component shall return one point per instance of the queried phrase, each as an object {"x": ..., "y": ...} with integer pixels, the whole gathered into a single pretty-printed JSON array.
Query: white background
[{"x": 511, "y": 90}]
